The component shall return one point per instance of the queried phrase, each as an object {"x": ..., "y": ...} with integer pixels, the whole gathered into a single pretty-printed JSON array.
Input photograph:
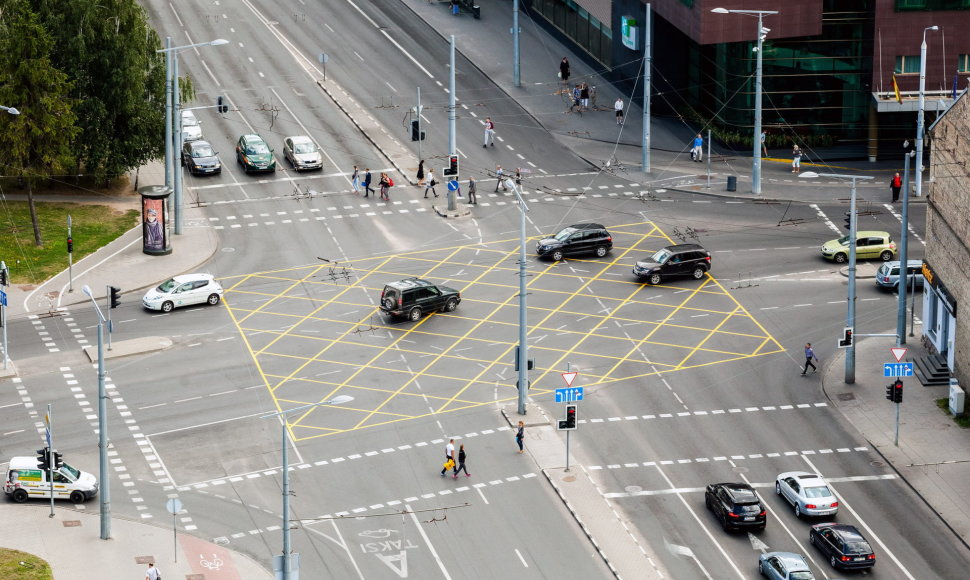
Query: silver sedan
[
  {"x": 302, "y": 153},
  {"x": 808, "y": 493}
]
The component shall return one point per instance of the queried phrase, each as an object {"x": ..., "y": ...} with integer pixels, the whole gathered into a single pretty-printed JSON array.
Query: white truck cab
[{"x": 25, "y": 479}]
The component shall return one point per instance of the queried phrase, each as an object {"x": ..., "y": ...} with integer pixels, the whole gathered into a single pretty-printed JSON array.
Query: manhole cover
[
  {"x": 877, "y": 463},
  {"x": 633, "y": 489},
  {"x": 846, "y": 396},
  {"x": 569, "y": 478}
]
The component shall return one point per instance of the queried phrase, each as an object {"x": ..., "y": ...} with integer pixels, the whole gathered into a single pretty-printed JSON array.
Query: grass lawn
[
  {"x": 92, "y": 227},
  {"x": 944, "y": 404},
  {"x": 16, "y": 565}
]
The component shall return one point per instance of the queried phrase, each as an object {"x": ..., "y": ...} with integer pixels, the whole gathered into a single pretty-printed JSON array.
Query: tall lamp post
[
  {"x": 10, "y": 110},
  {"x": 522, "y": 360},
  {"x": 173, "y": 125},
  {"x": 919, "y": 114},
  {"x": 850, "y": 314},
  {"x": 105, "y": 491},
  {"x": 756, "y": 140},
  {"x": 287, "y": 556},
  {"x": 904, "y": 254}
]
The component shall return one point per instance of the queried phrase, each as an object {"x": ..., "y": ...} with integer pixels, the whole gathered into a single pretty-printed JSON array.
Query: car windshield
[
  {"x": 305, "y": 147},
  {"x": 166, "y": 286},
  {"x": 203, "y": 151},
  {"x": 70, "y": 471},
  {"x": 259, "y": 148},
  {"x": 858, "y": 548},
  {"x": 564, "y": 235},
  {"x": 801, "y": 576},
  {"x": 661, "y": 256},
  {"x": 844, "y": 241},
  {"x": 819, "y": 491}
]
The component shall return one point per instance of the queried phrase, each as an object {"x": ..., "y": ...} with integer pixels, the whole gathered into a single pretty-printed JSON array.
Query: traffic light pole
[
  {"x": 3, "y": 313},
  {"x": 108, "y": 300},
  {"x": 105, "y": 485},
  {"x": 896, "y": 438},
  {"x": 50, "y": 456},
  {"x": 418, "y": 117}
]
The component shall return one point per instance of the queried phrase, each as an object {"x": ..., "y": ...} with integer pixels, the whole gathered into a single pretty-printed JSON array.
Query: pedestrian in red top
[{"x": 895, "y": 184}]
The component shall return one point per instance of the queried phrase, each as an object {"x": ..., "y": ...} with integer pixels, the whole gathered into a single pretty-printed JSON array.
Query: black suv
[
  {"x": 680, "y": 260},
  {"x": 576, "y": 239},
  {"x": 736, "y": 505},
  {"x": 413, "y": 297}
]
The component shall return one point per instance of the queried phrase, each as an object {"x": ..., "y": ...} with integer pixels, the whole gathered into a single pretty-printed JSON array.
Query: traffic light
[
  {"x": 846, "y": 340},
  {"x": 70, "y": 244},
  {"x": 529, "y": 363},
  {"x": 414, "y": 131},
  {"x": 452, "y": 168},
  {"x": 890, "y": 392},
  {"x": 569, "y": 424},
  {"x": 56, "y": 461},
  {"x": 3, "y": 277},
  {"x": 898, "y": 391},
  {"x": 115, "y": 296},
  {"x": 848, "y": 220},
  {"x": 221, "y": 105},
  {"x": 43, "y": 459}
]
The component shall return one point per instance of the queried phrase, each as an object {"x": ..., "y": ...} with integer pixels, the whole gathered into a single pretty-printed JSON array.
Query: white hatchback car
[
  {"x": 183, "y": 290},
  {"x": 191, "y": 130},
  {"x": 302, "y": 153}
]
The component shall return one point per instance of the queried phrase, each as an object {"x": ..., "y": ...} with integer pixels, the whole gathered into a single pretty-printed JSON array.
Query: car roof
[
  {"x": 251, "y": 137},
  {"x": 872, "y": 234},
  {"x": 409, "y": 283},
  {"x": 801, "y": 475},
  {"x": 793, "y": 562},
  {"x": 684, "y": 248},
  {"x": 587, "y": 226},
  {"x": 300, "y": 139},
  {"x": 846, "y": 531},
  {"x": 23, "y": 462},
  {"x": 198, "y": 143},
  {"x": 182, "y": 278},
  {"x": 739, "y": 491},
  {"x": 911, "y": 263}
]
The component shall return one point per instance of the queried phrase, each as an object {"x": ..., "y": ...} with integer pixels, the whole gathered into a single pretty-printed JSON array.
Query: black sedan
[
  {"x": 845, "y": 547},
  {"x": 736, "y": 505},
  {"x": 199, "y": 157}
]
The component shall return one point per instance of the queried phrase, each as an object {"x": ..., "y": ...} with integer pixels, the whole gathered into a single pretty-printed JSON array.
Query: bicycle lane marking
[{"x": 209, "y": 560}]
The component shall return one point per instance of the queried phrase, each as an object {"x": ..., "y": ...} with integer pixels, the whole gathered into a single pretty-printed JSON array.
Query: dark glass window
[
  {"x": 907, "y": 64},
  {"x": 909, "y": 5}
]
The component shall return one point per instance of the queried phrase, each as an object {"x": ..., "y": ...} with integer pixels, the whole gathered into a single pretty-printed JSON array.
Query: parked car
[
  {"x": 415, "y": 297},
  {"x": 674, "y": 261},
  {"x": 784, "y": 566},
  {"x": 302, "y": 153},
  {"x": 199, "y": 158},
  {"x": 576, "y": 240},
  {"x": 254, "y": 154},
  {"x": 183, "y": 290},
  {"x": 869, "y": 246},
  {"x": 808, "y": 493},
  {"x": 736, "y": 505},
  {"x": 888, "y": 274},
  {"x": 25, "y": 479},
  {"x": 843, "y": 545},
  {"x": 191, "y": 129}
]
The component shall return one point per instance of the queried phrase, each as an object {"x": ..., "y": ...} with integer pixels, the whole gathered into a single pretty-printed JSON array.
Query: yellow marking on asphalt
[{"x": 710, "y": 333}]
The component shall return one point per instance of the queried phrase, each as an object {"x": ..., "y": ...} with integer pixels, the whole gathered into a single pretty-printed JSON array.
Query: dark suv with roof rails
[
  {"x": 575, "y": 240},
  {"x": 674, "y": 261},
  {"x": 414, "y": 297}
]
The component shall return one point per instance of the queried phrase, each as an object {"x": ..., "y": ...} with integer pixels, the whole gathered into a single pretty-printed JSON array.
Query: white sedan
[
  {"x": 183, "y": 290},
  {"x": 808, "y": 493}
]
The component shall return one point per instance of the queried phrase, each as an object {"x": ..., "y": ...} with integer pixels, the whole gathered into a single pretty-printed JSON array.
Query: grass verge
[
  {"x": 944, "y": 404},
  {"x": 16, "y": 565}
]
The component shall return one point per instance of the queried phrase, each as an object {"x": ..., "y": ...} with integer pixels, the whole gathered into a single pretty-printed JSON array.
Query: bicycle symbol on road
[{"x": 214, "y": 564}]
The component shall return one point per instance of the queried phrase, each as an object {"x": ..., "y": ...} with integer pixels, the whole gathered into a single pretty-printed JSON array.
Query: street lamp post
[
  {"x": 105, "y": 491},
  {"x": 850, "y": 314},
  {"x": 756, "y": 140},
  {"x": 10, "y": 110},
  {"x": 522, "y": 361},
  {"x": 287, "y": 556},
  {"x": 919, "y": 114},
  {"x": 173, "y": 120},
  {"x": 903, "y": 256}
]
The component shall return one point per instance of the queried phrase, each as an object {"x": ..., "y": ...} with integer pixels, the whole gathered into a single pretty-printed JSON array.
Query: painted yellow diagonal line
[{"x": 710, "y": 333}]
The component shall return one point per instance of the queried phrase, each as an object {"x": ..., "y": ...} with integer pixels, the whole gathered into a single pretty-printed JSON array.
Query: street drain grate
[{"x": 846, "y": 396}]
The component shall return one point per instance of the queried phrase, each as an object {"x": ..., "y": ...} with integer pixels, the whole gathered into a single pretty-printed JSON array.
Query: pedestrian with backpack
[
  {"x": 386, "y": 184},
  {"x": 429, "y": 184}
]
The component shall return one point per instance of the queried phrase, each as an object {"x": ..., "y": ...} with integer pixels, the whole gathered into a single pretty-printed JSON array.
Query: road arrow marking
[
  {"x": 756, "y": 543},
  {"x": 391, "y": 561}
]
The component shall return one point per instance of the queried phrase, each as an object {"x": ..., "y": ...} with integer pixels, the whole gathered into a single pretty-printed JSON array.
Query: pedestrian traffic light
[
  {"x": 70, "y": 244},
  {"x": 43, "y": 460},
  {"x": 452, "y": 168},
  {"x": 3, "y": 277},
  {"x": 569, "y": 423},
  {"x": 56, "y": 461},
  {"x": 846, "y": 340},
  {"x": 115, "y": 296},
  {"x": 414, "y": 131},
  {"x": 898, "y": 391},
  {"x": 848, "y": 220},
  {"x": 221, "y": 105}
]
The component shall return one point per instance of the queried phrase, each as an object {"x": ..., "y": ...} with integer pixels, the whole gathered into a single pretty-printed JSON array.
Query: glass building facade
[{"x": 578, "y": 25}]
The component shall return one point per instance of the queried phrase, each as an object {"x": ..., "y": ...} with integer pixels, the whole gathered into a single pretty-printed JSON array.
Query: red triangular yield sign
[
  {"x": 898, "y": 352},
  {"x": 569, "y": 378}
]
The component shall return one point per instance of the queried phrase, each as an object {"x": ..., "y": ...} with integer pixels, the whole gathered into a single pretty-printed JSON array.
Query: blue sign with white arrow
[
  {"x": 569, "y": 395},
  {"x": 900, "y": 369}
]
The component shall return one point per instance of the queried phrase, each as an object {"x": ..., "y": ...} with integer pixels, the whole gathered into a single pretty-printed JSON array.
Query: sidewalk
[{"x": 71, "y": 544}]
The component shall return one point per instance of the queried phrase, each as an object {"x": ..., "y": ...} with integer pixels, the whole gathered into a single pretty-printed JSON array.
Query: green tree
[{"x": 37, "y": 143}]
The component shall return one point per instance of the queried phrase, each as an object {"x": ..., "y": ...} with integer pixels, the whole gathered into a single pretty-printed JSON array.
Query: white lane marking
[
  {"x": 764, "y": 485},
  {"x": 307, "y": 132},
  {"x": 339, "y": 541},
  {"x": 521, "y": 559},
  {"x": 872, "y": 534},
  {"x": 427, "y": 540}
]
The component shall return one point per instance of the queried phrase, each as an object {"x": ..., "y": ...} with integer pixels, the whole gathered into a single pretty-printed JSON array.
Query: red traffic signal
[{"x": 898, "y": 391}]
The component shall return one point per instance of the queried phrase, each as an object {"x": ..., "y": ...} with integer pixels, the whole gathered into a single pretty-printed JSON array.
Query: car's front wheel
[
  {"x": 451, "y": 304},
  {"x": 213, "y": 299},
  {"x": 654, "y": 278},
  {"x": 167, "y": 306},
  {"x": 761, "y": 568},
  {"x": 556, "y": 255},
  {"x": 840, "y": 258},
  {"x": 414, "y": 314},
  {"x": 600, "y": 251},
  {"x": 886, "y": 255},
  {"x": 777, "y": 488},
  {"x": 698, "y": 273}
]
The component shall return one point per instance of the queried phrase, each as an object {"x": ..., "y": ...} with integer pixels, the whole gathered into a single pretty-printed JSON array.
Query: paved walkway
[{"x": 927, "y": 435}]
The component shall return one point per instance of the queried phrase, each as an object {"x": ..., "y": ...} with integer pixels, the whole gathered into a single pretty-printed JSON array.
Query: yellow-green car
[{"x": 870, "y": 245}]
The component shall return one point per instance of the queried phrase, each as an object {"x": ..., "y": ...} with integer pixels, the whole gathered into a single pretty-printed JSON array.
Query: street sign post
[
  {"x": 898, "y": 369},
  {"x": 174, "y": 506}
]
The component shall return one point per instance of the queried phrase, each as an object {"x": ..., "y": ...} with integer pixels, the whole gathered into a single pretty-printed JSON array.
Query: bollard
[
  {"x": 732, "y": 183},
  {"x": 476, "y": 11}
]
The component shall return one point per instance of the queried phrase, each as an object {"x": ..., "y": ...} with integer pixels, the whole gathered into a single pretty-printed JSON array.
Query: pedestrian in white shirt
[{"x": 618, "y": 107}]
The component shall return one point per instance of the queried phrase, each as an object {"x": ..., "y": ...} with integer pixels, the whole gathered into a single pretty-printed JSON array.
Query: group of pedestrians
[
  {"x": 384, "y": 183},
  {"x": 457, "y": 463}
]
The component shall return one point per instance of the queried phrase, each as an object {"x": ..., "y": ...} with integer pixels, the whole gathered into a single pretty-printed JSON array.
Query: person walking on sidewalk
[
  {"x": 796, "y": 159},
  {"x": 895, "y": 184},
  {"x": 809, "y": 357},
  {"x": 489, "y": 133},
  {"x": 355, "y": 181},
  {"x": 420, "y": 174},
  {"x": 764, "y": 143},
  {"x": 449, "y": 457},
  {"x": 461, "y": 462},
  {"x": 429, "y": 184},
  {"x": 564, "y": 71},
  {"x": 152, "y": 573},
  {"x": 472, "y": 191},
  {"x": 500, "y": 176},
  {"x": 520, "y": 436},
  {"x": 618, "y": 107},
  {"x": 697, "y": 151},
  {"x": 367, "y": 179}
]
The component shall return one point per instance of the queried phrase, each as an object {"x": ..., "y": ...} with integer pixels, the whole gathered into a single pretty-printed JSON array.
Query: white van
[{"x": 25, "y": 479}]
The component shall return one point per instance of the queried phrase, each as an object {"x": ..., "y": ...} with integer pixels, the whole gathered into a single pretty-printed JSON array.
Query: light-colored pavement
[{"x": 927, "y": 437}]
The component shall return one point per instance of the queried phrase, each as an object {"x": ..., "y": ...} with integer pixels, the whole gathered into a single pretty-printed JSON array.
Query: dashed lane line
[
  {"x": 719, "y": 458},
  {"x": 762, "y": 485}
]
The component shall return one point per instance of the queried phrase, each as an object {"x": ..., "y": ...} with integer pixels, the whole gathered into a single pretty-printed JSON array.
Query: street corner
[{"x": 123, "y": 348}]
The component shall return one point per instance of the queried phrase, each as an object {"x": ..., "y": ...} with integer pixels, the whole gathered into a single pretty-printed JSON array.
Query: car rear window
[
  {"x": 801, "y": 576},
  {"x": 858, "y": 548},
  {"x": 749, "y": 508},
  {"x": 818, "y": 491}
]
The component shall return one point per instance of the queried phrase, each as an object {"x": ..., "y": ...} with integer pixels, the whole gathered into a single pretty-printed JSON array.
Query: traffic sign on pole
[
  {"x": 569, "y": 378},
  {"x": 898, "y": 353},
  {"x": 569, "y": 395},
  {"x": 897, "y": 369}
]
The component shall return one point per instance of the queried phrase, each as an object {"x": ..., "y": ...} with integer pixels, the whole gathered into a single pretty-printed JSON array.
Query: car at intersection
[{"x": 184, "y": 290}]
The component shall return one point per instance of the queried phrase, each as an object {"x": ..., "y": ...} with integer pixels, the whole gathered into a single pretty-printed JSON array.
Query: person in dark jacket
[
  {"x": 564, "y": 70},
  {"x": 420, "y": 174},
  {"x": 367, "y": 179},
  {"x": 461, "y": 462}
]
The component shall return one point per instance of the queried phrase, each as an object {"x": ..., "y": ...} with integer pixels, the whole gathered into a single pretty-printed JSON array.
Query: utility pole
[
  {"x": 903, "y": 256},
  {"x": 104, "y": 483},
  {"x": 4, "y": 281},
  {"x": 418, "y": 109},
  {"x": 919, "y": 114},
  {"x": 516, "y": 66},
  {"x": 647, "y": 80},
  {"x": 522, "y": 360}
]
